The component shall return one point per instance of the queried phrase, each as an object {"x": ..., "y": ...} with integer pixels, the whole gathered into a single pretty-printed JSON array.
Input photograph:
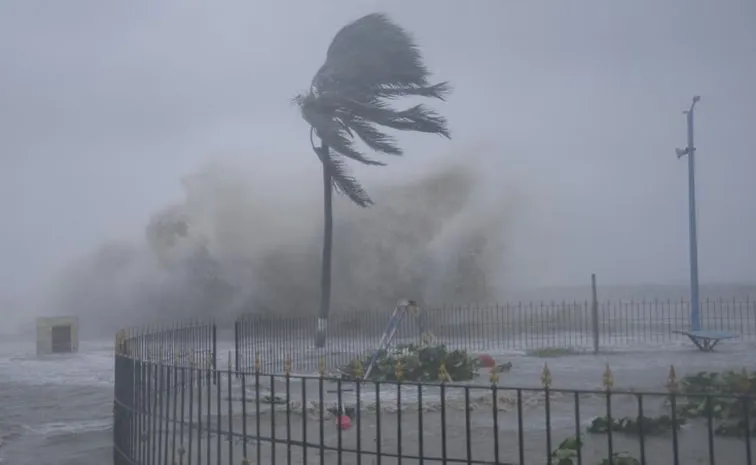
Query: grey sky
[{"x": 104, "y": 105}]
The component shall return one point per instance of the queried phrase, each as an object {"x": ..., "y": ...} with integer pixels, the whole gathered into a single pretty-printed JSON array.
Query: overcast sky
[{"x": 104, "y": 105}]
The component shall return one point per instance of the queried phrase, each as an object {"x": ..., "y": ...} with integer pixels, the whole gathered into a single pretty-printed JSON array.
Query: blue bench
[{"x": 706, "y": 340}]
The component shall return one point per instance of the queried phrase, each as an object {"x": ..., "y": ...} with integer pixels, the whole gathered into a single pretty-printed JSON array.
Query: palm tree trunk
[{"x": 325, "y": 270}]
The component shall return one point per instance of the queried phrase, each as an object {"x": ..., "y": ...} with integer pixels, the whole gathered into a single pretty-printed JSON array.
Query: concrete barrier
[{"x": 58, "y": 334}]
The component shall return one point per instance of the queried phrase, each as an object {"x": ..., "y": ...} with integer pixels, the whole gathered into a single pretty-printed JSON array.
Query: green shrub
[
  {"x": 567, "y": 453},
  {"x": 726, "y": 411},
  {"x": 657, "y": 425},
  {"x": 698, "y": 393},
  {"x": 418, "y": 363}
]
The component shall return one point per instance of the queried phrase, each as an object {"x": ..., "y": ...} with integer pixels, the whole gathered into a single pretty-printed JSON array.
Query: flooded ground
[{"x": 58, "y": 409}]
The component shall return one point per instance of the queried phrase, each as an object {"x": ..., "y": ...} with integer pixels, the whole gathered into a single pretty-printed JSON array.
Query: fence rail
[
  {"x": 176, "y": 344},
  {"x": 518, "y": 326},
  {"x": 174, "y": 404},
  {"x": 167, "y": 414}
]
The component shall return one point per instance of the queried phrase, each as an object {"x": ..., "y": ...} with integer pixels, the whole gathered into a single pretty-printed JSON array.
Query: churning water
[{"x": 56, "y": 410}]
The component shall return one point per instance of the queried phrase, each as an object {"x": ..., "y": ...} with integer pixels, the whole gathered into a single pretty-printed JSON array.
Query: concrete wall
[{"x": 44, "y": 332}]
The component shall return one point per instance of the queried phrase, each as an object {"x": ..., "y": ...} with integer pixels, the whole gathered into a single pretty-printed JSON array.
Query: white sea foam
[
  {"x": 74, "y": 427},
  {"x": 93, "y": 365}
]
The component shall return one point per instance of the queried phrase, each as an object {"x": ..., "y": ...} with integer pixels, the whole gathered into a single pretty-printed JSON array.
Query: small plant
[
  {"x": 725, "y": 396},
  {"x": 567, "y": 453},
  {"x": 419, "y": 363},
  {"x": 657, "y": 425},
  {"x": 699, "y": 398}
]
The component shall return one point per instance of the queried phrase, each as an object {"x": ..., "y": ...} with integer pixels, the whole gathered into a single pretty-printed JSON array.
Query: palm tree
[{"x": 370, "y": 62}]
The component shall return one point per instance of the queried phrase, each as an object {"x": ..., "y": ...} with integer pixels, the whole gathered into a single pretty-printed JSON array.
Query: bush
[
  {"x": 419, "y": 363},
  {"x": 567, "y": 454},
  {"x": 728, "y": 412},
  {"x": 657, "y": 425},
  {"x": 699, "y": 393}
]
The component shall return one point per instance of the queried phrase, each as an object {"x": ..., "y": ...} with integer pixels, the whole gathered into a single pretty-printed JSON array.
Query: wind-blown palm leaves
[{"x": 370, "y": 62}]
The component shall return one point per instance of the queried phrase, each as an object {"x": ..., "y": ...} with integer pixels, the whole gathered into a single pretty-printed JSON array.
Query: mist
[
  {"x": 228, "y": 248},
  {"x": 564, "y": 122}
]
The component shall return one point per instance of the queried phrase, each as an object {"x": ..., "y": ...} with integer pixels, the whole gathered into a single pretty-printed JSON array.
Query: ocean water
[{"x": 56, "y": 410}]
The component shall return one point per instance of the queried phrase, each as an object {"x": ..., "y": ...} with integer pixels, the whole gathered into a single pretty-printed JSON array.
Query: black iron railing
[
  {"x": 198, "y": 413},
  {"x": 578, "y": 326},
  {"x": 174, "y": 344}
]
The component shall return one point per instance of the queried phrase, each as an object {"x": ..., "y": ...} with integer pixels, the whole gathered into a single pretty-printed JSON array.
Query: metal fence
[
  {"x": 175, "y": 344},
  {"x": 190, "y": 344},
  {"x": 520, "y": 326},
  {"x": 168, "y": 414}
]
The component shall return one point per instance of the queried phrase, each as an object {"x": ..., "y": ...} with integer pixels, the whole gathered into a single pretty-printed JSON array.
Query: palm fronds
[
  {"x": 370, "y": 62},
  {"x": 343, "y": 182}
]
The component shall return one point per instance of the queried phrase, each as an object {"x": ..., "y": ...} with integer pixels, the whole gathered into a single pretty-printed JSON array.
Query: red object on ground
[
  {"x": 343, "y": 422},
  {"x": 486, "y": 361}
]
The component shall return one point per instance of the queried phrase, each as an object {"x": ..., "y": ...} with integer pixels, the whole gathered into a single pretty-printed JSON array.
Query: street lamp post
[{"x": 690, "y": 150}]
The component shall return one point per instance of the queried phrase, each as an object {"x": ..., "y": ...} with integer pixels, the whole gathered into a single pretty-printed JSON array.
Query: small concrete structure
[{"x": 57, "y": 334}]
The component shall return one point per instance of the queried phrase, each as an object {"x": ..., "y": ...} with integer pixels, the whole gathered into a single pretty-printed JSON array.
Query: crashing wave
[{"x": 232, "y": 247}]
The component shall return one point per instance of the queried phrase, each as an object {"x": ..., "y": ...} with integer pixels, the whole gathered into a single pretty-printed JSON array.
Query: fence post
[
  {"x": 117, "y": 383},
  {"x": 594, "y": 313},
  {"x": 236, "y": 347},
  {"x": 215, "y": 355}
]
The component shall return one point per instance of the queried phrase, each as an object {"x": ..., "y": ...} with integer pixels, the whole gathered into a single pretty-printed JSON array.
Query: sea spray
[{"x": 234, "y": 246}]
